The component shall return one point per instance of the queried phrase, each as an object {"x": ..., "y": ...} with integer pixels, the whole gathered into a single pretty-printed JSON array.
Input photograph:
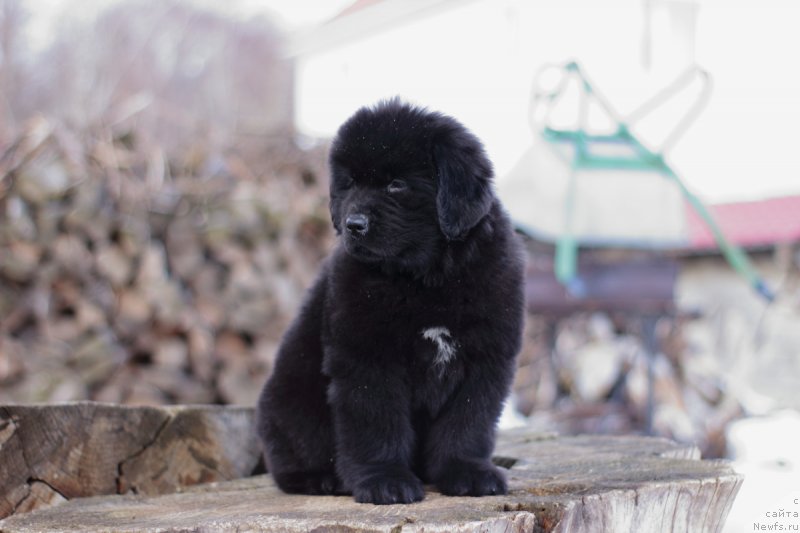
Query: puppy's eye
[{"x": 397, "y": 186}]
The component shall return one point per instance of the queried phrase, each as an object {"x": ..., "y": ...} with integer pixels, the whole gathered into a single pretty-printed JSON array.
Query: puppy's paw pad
[
  {"x": 472, "y": 479},
  {"x": 389, "y": 489}
]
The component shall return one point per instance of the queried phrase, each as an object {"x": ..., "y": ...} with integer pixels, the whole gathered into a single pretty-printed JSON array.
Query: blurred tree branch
[
  {"x": 12, "y": 19},
  {"x": 168, "y": 74}
]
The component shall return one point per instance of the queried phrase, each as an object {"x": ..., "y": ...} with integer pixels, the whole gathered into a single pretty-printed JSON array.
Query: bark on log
[
  {"x": 559, "y": 484},
  {"x": 87, "y": 449}
]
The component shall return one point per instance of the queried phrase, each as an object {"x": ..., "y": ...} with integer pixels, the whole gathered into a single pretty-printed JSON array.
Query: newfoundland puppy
[{"x": 395, "y": 371}]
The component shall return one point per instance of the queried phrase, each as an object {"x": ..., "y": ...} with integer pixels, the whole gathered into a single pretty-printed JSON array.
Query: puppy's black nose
[{"x": 357, "y": 224}]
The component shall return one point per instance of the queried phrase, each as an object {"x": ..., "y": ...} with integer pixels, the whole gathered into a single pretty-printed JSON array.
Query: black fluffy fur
[{"x": 360, "y": 401}]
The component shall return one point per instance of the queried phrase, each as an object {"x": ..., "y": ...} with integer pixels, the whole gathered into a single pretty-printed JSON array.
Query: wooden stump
[
  {"x": 560, "y": 484},
  {"x": 53, "y": 453}
]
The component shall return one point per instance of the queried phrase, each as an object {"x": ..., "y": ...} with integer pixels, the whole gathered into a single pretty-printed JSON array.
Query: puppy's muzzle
[{"x": 357, "y": 224}]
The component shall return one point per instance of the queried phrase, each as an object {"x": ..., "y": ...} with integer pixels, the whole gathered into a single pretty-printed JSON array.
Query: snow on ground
[{"x": 766, "y": 450}]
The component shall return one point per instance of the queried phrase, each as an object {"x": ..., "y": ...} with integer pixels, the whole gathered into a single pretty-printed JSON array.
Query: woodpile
[
  {"x": 130, "y": 277},
  {"x": 144, "y": 261},
  {"x": 588, "y": 373}
]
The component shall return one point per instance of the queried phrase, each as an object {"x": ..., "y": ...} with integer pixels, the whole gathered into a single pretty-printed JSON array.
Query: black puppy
[{"x": 395, "y": 371}]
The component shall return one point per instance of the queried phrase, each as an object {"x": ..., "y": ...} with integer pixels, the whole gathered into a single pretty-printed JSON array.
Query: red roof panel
[{"x": 749, "y": 224}]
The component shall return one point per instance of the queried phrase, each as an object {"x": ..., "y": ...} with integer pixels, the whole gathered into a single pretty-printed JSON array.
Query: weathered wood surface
[
  {"x": 559, "y": 484},
  {"x": 53, "y": 453}
]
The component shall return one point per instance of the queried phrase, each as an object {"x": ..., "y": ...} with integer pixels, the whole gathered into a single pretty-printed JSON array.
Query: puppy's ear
[{"x": 464, "y": 179}]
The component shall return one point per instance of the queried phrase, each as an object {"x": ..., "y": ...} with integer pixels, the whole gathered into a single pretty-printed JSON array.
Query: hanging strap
[{"x": 664, "y": 95}]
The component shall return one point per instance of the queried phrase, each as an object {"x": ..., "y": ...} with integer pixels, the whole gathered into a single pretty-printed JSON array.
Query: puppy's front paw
[
  {"x": 395, "y": 486},
  {"x": 472, "y": 478}
]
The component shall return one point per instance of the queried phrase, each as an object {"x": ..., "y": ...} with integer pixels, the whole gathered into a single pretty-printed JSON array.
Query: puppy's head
[{"x": 404, "y": 181}]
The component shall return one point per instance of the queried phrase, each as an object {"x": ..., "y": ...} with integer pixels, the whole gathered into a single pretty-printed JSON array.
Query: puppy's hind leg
[
  {"x": 297, "y": 468},
  {"x": 293, "y": 417},
  {"x": 294, "y": 424}
]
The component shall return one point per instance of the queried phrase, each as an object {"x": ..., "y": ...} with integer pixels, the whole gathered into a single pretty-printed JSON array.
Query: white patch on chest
[{"x": 445, "y": 345}]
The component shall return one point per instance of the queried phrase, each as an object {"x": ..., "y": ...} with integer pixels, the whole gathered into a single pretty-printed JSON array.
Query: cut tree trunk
[
  {"x": 53, "y": 453},
  {"x": 560, "y": 484}
]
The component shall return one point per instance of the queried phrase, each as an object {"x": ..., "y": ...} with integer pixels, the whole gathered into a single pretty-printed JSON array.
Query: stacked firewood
[
  {"x": 588, "y": 373},
  {"x": 130, "y": 276},
  {"x": 127, "y": 276}
]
